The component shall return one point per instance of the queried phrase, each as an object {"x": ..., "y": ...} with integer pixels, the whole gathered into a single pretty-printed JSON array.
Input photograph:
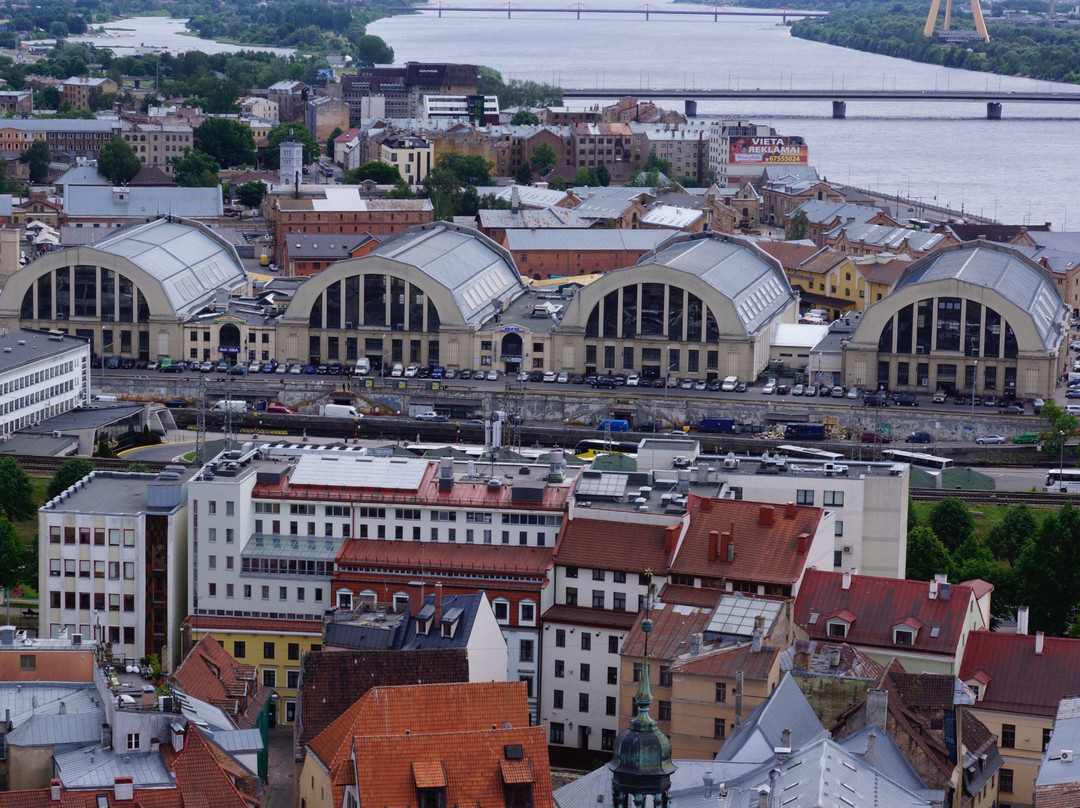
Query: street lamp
[
  {"x": 974, "y": 376},
  {"x": 1061, "y": 458}
]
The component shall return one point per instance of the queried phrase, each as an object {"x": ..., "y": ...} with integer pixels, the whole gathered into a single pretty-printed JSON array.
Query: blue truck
[
  {"x": 716, "y": 425},
  {"x": 805, "y": 431}
]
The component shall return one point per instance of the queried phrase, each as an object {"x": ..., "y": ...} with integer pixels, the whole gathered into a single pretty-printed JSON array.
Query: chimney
[
  {"x": 696, "y": 641},
  {"x": 846, "y": 583},
  {"x": 1022, "y": 620},
  {"x": 54, "y": 790},
  {"x": 765, "y": 516},
  {"x": 871, "y": 739},
  {"x": 759, "y": 630},
  {"x": 933, "y": 590},
  {"x": 671, "y": 538},
  {"x": 124, "y": 788},
  {"x": 1038, "y": 643},
  {"x": 707, "y": 778},
  {"x": 804, "y": 540},
  {"x": 714, "y": 538},
  {"x": 106, "y": 736},
  {"x": 706, "y": 503},
  {"x": 416, "y": 597},
  {"x": 177, "y": 738},
  {"x": 877, "y": 708},
  {"x": 789, "y": 511},
  {"x": 63, "y": 708},
  {"x": 738, "y": 699},
  {"x": 785, "y": 739},
  {"x": 763, "y": 797},
  {"x": 438, "y": 606}
]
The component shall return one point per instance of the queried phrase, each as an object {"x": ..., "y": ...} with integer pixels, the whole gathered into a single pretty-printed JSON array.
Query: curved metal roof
[
  {"x": 755, "y": 283},
  {"x": 1005, "y": 271},
  {"x": 472, "y": 267},
  {"x": 188, "y": 259}
]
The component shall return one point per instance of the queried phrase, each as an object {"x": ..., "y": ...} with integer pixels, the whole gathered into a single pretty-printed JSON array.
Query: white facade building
[{"x": 41, "y": 375}]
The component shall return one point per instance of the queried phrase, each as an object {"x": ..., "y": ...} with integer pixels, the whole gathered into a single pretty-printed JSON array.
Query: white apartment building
[
  {"x": 461, "y": 108},
  {"x": 113, "y": 563},
  {"x": 42, "y": 374}
]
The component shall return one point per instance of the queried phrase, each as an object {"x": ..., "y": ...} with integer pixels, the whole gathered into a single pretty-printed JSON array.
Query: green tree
[
  {"x": 798, "y": 226},
  {"x": 525, "y": 117},
  {"x": 1062, "y": 426},
  {"x": 195, "y": 169},
  {"x": 951, "y": 522},
  {"x": 251, "y": 194},
  {"x": 67, "y": 475},
  {"x": 912, "y": 516},
  {"x": 468, "y": 204},
  {"x": 117, "y": 161},
  {"x": 38, "y": 157},
  {"x": 543, "y": 159},
  {"x": 138, "y": 468},
  {"x": 926, "y": 555},
  {"x": 523, "y": 176},
  {"x": 16, "y": 491},
  {"x": 603, "y": 176},
  {"x": 442, "y": 188},
  {"x": 330, "y": 141},
  {"x": 557, "y": 182},
  {"x": 47, "y": 98},
  {"x": 1048, "y": 572},
  {"x": 372, "y": 50},
  {"x": 587, "y": 177},
  {"x": 229, "y": 142},
  {"x": 295, "y": 132},
  {"x": 467, "y": 170},
  {"x": 12, "y": 559},
  {"x": 1006, "y": 539},
  {"x": 402, "y": 191},
  {"x": 375, "y": 170}
]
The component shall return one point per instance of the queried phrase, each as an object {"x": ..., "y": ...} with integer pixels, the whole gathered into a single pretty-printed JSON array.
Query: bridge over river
[
  {"x": 839, "y": 98},
  {"x": 646, "y": 10}
]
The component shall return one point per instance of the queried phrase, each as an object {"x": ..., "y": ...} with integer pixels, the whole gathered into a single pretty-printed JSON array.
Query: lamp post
[
  {"x": 974, "y": 376},
  {"x": 1061, "y": 458}
]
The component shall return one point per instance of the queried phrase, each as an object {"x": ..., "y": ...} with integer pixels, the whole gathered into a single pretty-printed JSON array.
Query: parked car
[
  {"x": 874, "y": 437},
  {"x": 278, "y": 409},
  {"x": 577, "y": 379},
  {"x": 206, "y": 367},
  {"x": 701, "y": 384},
  {"x": 783, "y": 389},
  {"x": 1028, "y": 437},
  {"x": 742, "y": 387},
  {"x": 853, "y": 393},
  {"x": 713, "y": 386},
  {"x": 466, "y": 374},
  {"x": 769, "y": 388},
  {"x": 811, "y": 390},
  {"x": 687, "y": 384},
  {"x": 798, "y": 390},
  {"x": 550, "y": 376},
  {"x": 492, "y": 376},
  {"x": 176, "y": 403},
  {"x": 909, "y": 400},
  {"x": 430, "y": 415},
  {"x": 659, "y": 382},
  {"x": 1012, "y": 409},
  {"x": 534, "y": 376},
  {"x": 918, "y": 437},
  {"x": 1037, "y": 405},
  {"x": 411, "y": 371},
  {"x": 987, "y": 439},
  {"x": 563, "y": 378},
  {"x": 838, "y": 391},
  {"x": 633, "y": 379},
  {"x": 730, "y": 383}
]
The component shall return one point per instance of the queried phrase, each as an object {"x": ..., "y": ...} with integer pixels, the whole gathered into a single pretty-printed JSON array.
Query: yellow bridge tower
[{"x": 976, "y": 12}]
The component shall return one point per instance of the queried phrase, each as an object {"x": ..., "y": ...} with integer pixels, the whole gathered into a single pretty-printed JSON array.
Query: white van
[
  {"x": 730, "y": 383},
  {"x": 229, "y": 406},
  {"x": 363, "y": 367},
  {"x": 340, "y": 411},
  {"x": 398, "y": 370},
  {"x": 1072, "y": 409}
]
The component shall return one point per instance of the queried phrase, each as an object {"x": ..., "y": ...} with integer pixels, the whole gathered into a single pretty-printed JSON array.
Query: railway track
[
  {"x": 1032, "y": 498},
  {"x": 44, "y": 466}
]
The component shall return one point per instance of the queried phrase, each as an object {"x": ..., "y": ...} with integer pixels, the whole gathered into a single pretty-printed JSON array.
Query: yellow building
[
  {"x": 77, "y": 90},
  {"x": 412, "y": 156},
  {"x": 274, "y": 647}
]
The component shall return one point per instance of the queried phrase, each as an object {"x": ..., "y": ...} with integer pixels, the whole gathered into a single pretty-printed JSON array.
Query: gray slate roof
[
  {"x": 189, "y": 260},
  {"x": 756, "y": 285},
  {"x": 583, "y": 240},
  {"x": 82, "y": 175},
  {"x": 142, "y": 202},
  {"x": 1054, "y": 771},
  {"x": 94, "y": 767},
  {"x": 888, "y": 237},
  {"x": 821, "y": 211},
  {"x": 786, "y": 708},
  {"x": 403, "y": 636},
  {"x": 472, "y": 267},
  {"x": 1002, "y": 269}
]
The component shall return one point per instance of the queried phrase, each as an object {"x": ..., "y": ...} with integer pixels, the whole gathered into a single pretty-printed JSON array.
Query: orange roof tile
[
  {"x": 672, "y": 629},
  {"x": 429, "y": 774},
  {"x": 436, "y": 557},
  {"x": 728, "y": 660},
  {"x": 515, "y": 772},
  {"x": 621, "y": 546},
  {"x": 209, "y": 673}
]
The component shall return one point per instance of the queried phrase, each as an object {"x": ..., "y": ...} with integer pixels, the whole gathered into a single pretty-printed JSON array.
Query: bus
[
  {"x": 809, "y": 453},
  {"x": 927, "y": 461},
  {"x": 590, "y": 448},
  {"x": 1065, "y": 481}
]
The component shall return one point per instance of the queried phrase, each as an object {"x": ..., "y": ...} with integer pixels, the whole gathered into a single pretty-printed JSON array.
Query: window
[
  {"x": 637, "y": 671},
  {"x": 721, "y": 692},
  {"x": 903, "y": 636},
  {"x": 269, "y": 677},
  {"x": 571, "y": 596},
  {"x": 838, "y": 628},
  {"x": 294, "y": 650},
  {"x": 292, "y": 679},
  {"x": 558, "y": 732},
  {"x": 838, "y": 528},
  {"x": 719, "y": 729},
  {"x": 619, "y": 577},
  {"x": 598, "y": 599},
  {"x": 609, "y": 705},
  {"x": 557, "y": 699},
  {"x": 571, "y": 572},
  {"x": 1008, "y": 736},
  {"x": 612, "y": 644},
  {"x": 132, "y": 741},
  {"x": 239, "y": 649},
  {"x": 612, "y": 675},
  {"x": 560, "y": 638},
  {"x": 268, "y": 650},
  {"x": 598, "y": 575},
  {"x": 527, "y": 613},
  {"x": 607, "y": 739},
  {"x": 586, "y": 641},
  {"x": 1047, "y": 732},
  {"x": 502, "y": 611},
  {"x": 560, "y": 669},
  {"x": 834, "y": 498},
  {"x": 583, "y": 702},
  {"x": 526, "y": 652},
  {"x": 804, "y": 496},
  {"x": 618, "y": 601},
  {"x": 27, "y": 662},
  {"x": 665, "y": 710},
  {"x": 584, "y": 672},
  {"x": 1005, "y": 781},
  {"x": 665, "y": 676}
]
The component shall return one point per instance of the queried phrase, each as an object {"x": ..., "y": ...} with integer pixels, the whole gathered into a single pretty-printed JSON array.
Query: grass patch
[{"x": 986, "y": 516}]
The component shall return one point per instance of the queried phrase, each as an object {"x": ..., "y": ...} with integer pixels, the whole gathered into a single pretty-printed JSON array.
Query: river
[
  {"x": 1018, "y": 170},
  {"x": 160, "y": 34}
]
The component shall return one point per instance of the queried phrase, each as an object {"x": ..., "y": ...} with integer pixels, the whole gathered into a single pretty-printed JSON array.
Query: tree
[
  {"x": 138, "y": 468},
  {"x": 195, "y": 169},
  {"x": 468, "y": 203},
  {"x": 16, "y": 491},
  {"x": 798, "y": 226},
  {"x": 402, "y": 191},
  {"x": 926, "y": 555},
  {"x": 67, "y": 475},
  {"x": 543, "y": 159},
  {"x": 557, "y": 182},
  {"x": 525, "y": 117},
  {"x": 375, "y": 170},
  {"x": 291, "y": 131},
  {"x": 587, "y": 177},
  {"x": 467, "y": 170},
  {"x": 47, "y": 98},
  {"x": 1006, "y": 539},
  {"x": 441, "y": 187},
  {"x": 951, "y": 522},
  {"x": 1048, "y": 570},
  {"x": 523, "y": 176},
  {"x": 603, "y": 176},
  {"x": 12, "y": 560},
  {"x": 1062, "y": 427},
  {"x": 251, "y": 194},
  {"x": 117, "y": 161},
  {"x": 370, "y": 50},
  {"x": 38, "y": 157},
  {"x": 229, "y": 142},
  {"x": 330, "y": 141}
]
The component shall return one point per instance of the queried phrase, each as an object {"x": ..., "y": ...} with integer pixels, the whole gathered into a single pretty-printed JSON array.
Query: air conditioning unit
[
  {"x": 1066, "y": 755},
  {"x": 847, "y": 548}
]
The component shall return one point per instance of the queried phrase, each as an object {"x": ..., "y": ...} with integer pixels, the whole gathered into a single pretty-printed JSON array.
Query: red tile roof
[
  {"x": 600, "y": 618},
  {"x": 1020, "y": 680},
  {"x": 873, "y": 606},
  {"x": 204, "y": 623},
  {"x": 728, "y": 660},
  {"x": 790, "y": 254},
  {"x": 691, "y": 595},
  {"x": 332, "y": 682},
  {"x": 765, "y": 554},
  {"x": 209, "y": 673},
  {"x": 362, "y": 554},
  {"x": 979, "y": 586},
  {"x": 199, "y": 773},
  {"x": 672, "y": 627},
  {"x": 621, "y": 546},
  {"x": 473, "y": 763}
]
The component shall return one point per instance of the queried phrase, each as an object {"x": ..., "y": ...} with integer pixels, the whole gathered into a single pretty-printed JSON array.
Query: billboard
[{"x": 766, "y": 150}]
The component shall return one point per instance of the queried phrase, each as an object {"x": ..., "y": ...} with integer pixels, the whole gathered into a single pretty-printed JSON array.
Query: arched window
[
  {"x": 315, "y": 319},
  {"x": 592, "y": 325},
  {"x": 1011, "y": 349},
  {"x": 527, "y": 613},
  {"x": 401, "y": 601},
  {"x": 885, "y": 341},
  {"x": 344, "y": 599},
  {"x": 501, "y": 608}
]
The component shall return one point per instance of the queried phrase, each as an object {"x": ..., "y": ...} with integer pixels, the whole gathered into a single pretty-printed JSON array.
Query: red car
[{"x": 874, "y": 437}]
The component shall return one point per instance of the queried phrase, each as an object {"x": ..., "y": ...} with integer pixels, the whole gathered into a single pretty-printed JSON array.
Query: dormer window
[
  {"x": 838, "y": 629},
  {"x": 906, "y": 632},
  {"x": 423, "y": 626}
]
